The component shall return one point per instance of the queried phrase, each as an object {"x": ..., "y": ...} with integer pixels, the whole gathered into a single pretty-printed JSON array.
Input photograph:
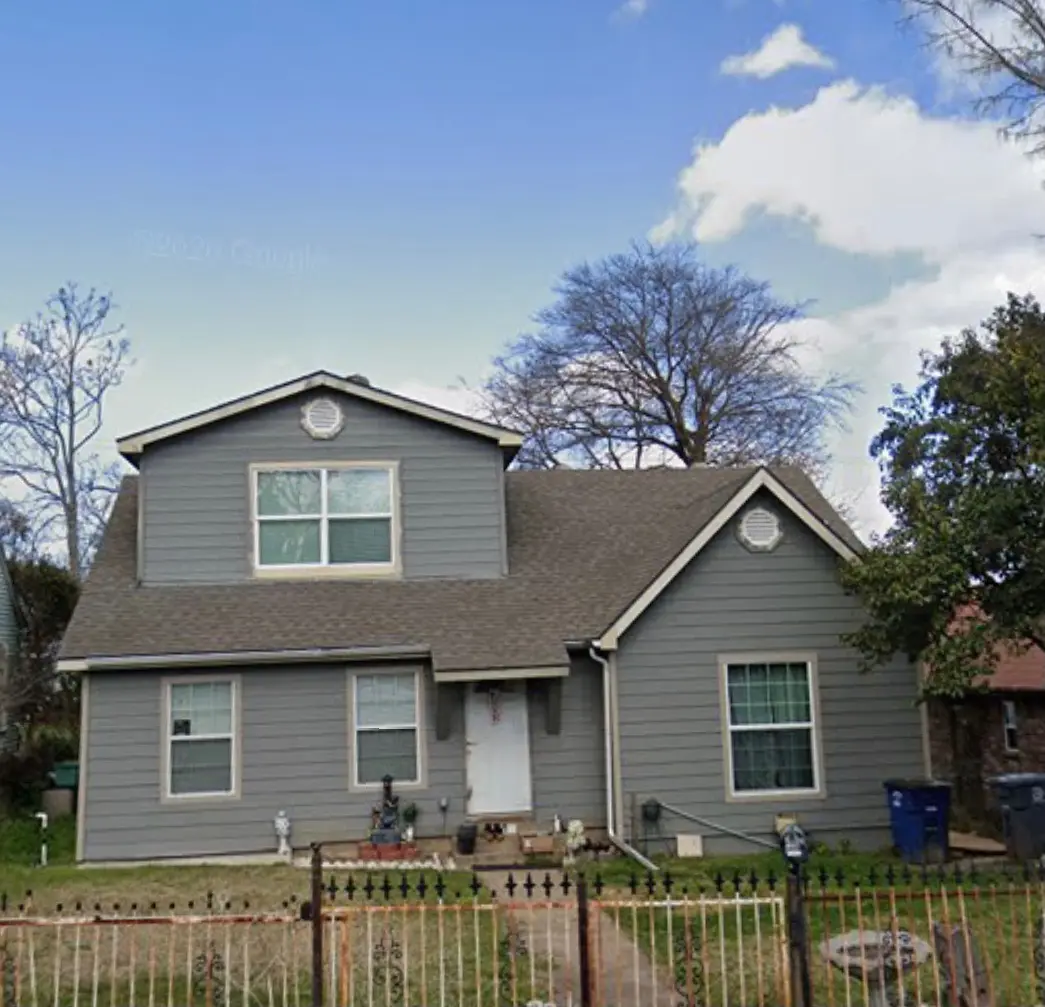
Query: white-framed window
[
  {"x": 1009, "y": 726},
  {"x": 340, "y": 517},
  {"x": 386, "y": 728},
  {"x": 771, "y": 724},
  {"x": 200, "y": 738}
]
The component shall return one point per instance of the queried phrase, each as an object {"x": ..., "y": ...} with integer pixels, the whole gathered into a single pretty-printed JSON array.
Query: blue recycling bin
[{"x": 919, "y": 817}]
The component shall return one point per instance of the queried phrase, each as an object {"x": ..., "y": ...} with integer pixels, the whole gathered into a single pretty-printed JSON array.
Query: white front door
[{"x": 497, "y": 735}]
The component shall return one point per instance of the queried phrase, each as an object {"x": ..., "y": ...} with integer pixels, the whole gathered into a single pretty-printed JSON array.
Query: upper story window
[{"x": 335, "y": 517}]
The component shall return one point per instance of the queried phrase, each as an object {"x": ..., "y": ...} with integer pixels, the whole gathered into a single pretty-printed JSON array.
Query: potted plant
[{"x": 409, "y": 816}]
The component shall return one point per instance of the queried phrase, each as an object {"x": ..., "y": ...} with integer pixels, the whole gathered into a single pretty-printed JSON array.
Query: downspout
[{"x": 608, "y": 731}]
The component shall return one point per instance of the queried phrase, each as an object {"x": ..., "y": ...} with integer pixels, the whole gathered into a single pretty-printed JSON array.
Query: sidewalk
[{"x": 624, "y": 974}]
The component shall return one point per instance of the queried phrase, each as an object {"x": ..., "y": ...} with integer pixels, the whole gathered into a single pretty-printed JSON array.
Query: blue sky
[{"x": 394, "y": 187}]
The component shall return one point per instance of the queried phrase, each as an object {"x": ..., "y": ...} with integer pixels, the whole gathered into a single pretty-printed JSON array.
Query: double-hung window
[
  {"x": 325, "y": 517},
  {"x": 386, "y": 730},
  {"x": 200, "y": 736},
  {"x": 772, "y": 729},
  {"x": 1010, "y": 728}
]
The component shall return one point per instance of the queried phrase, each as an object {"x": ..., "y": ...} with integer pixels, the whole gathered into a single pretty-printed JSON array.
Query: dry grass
[
  {"x": 399, "y": 953},
  {"x": 734, "y": 950}
]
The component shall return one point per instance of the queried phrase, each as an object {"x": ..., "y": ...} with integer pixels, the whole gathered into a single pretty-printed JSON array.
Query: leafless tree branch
[
  {"x": 1001, "y": 45},
  {"x": 650, "y": 358},
  {"x": 55, "y": 372}
]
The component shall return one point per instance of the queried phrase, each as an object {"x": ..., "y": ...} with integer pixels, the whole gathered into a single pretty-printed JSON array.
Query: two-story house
[{"x": 315, "y": 585}]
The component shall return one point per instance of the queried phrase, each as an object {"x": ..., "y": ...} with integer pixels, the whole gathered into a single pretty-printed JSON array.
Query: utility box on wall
[{"x": 689, "y": 845}]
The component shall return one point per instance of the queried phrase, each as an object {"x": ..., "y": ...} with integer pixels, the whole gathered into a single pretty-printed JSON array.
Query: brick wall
[{"x": 976, "y": 725}]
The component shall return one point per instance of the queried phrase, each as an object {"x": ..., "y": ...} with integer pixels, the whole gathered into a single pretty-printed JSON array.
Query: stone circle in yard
[{"x": 869, "y": 953}]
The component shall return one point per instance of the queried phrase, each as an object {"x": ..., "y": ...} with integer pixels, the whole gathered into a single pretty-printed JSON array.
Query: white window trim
[
  {"x": 818, "y": 790},
  {"x": 167, "y": 739},
  {"x": 324, "y": 569},
  {"x": 1009, "y": 722},
  {"x": 417, "y": 727}
]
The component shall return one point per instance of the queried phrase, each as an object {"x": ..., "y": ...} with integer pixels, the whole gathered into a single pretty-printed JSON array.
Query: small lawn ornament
[
  {"x": 880, "y": 958},
  {"x": 282, "y": 824},
  {"x": 575, "y": 841}
]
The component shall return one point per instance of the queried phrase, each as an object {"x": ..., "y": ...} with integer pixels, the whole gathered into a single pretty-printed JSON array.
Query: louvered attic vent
[
  {"x": 322, "y": 419},
  {"x": 760, "y": 529}
]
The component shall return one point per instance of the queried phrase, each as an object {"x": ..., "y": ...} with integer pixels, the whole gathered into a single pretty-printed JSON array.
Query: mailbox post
[{"x": 794, "y": 844}]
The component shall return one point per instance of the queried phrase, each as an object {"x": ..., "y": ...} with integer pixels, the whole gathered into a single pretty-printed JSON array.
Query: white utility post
[{"x": 41, "y": 817}]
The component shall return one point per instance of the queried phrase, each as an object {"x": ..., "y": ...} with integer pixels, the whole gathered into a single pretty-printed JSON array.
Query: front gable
[
  {"x": 355, "y": 387},
  {"x": 744, "y": 506},
  {"x": 201, "y": 495}
]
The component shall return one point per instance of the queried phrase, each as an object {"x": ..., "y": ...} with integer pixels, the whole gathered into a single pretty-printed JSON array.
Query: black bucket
[{"x": 467, "y": 834}]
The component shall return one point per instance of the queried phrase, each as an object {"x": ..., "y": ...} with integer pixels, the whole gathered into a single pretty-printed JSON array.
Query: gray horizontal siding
[
  {"x": 294, "y": 745},
  {"x": 294, "y": 738},
  {"x": 731, "y": 600},
  {"x": 569, "y": 768},
  {"x": 196, "y": 491}
]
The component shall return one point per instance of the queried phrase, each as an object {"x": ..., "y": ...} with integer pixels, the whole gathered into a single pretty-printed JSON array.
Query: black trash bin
[
  {"x": 1022, "y": 800},
  {"x": 467, "y": 836}
]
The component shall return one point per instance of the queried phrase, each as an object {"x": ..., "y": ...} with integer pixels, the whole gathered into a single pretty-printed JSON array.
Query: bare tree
[
  {"x": 652, "y": 358},
  {"x": 55, "y": 372},
  {"x": 1000, "y": 44}
]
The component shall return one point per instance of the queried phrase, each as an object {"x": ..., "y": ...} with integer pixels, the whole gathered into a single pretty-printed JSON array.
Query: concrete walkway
[{"x": 624, "y": 973}]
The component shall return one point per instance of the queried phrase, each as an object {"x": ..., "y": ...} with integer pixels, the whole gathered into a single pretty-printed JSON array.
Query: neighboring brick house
[{"x": 998, "y": 731}]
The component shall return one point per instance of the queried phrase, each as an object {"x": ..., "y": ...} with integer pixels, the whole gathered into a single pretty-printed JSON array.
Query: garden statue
[
  {"x": 386, "y": 816},
  {"x": 575, "y": 841},
  {"x": 282, "y": 824}
]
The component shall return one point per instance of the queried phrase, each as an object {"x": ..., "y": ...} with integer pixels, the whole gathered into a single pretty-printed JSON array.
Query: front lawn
[
  {"x": 379, "y": 944},
  {"x": 707, "y": 874},
  {"x": 166, "y": 889},
  {"x": 729, "y": 939}
]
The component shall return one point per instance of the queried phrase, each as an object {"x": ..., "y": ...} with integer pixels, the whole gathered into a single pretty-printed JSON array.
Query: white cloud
[
  {"x": 633, "y": 8},
  {"x": 783, "y": 49},
  {"x": 872, "y": 173}
]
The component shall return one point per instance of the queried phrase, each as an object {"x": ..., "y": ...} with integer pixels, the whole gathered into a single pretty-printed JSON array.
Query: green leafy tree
[{"x": 961, "y": 573}]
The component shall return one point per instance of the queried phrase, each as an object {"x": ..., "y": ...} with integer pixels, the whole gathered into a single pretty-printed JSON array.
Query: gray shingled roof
[{"x": 582, "y": 546}]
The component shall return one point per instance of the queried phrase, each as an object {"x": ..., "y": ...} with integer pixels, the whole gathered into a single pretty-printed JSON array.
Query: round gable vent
[
  {"x": 760, "y": 529},
  {"x": 322, "y": 418}
]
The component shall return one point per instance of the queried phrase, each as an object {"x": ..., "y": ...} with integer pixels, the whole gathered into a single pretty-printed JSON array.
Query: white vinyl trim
[
  {"x": 1010, "y": 727},
  {"x": 324, "y": 517},
  {"x": 234, "y": 737},
  {"x": 81, "y": 795},
  {"x": 761, "y": 480},
  {"x": 812, "y": 725},
  {"x": 134, "y": 444},
  {"x": 355, "y": 729}
]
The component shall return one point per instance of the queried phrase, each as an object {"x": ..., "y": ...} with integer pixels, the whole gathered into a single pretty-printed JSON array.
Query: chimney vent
[{"x": 359, "y": 379}]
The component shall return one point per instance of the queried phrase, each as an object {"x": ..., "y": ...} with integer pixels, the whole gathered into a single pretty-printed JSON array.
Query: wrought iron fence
[{"x": 603, "y": 938}]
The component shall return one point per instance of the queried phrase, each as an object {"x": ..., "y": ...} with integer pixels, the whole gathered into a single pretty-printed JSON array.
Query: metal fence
[{"x": 600, "y": 939}]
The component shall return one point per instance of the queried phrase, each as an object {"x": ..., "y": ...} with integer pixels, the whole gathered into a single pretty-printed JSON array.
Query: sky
[{"x": 394, "y": 188}]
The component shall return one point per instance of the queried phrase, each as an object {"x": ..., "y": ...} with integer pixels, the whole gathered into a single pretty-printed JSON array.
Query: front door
[{"x": 497, "y": 735}]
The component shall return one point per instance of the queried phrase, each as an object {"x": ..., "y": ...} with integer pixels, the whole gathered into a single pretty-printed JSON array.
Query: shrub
[{"x": 25, "y": 773}]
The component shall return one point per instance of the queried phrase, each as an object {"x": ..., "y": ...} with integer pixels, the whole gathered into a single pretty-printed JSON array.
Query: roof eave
[
  {"x": 156, "y": 662},
  {"x": 763, "y": 479},
  {"x": 132, "y": 446}
]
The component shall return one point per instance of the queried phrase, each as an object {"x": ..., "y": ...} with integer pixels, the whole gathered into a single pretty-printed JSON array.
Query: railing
[{"x": 600, "y": 939}]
